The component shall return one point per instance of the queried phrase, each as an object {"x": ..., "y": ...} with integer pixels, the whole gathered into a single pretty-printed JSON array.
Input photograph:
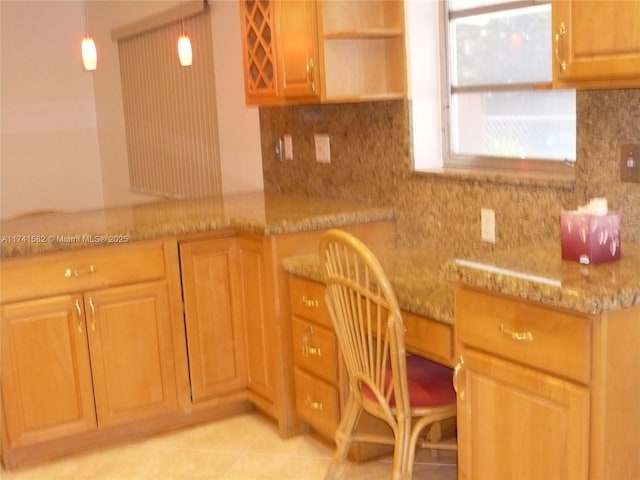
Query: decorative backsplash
[{"x": 370, "y": 161}]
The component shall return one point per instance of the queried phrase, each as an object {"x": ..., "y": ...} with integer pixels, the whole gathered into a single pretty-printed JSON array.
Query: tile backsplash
[{"x": 370, "y": 161}]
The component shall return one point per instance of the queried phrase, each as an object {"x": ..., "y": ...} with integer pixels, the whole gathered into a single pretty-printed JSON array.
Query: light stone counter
[
  {"x": 415, "y": 274},
  {"x": 423, "y": 279},
  {"x": 539, "y": 274},
  {"x": 269, "y": 214}
]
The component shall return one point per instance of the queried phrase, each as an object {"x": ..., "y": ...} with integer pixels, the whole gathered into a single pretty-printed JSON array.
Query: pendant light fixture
[
  {"x": 88, "y": 48},
  {"x": 185, "y": 54}
]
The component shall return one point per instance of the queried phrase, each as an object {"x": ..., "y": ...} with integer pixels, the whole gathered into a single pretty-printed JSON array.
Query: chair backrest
[{"x": 367, "y": 321}]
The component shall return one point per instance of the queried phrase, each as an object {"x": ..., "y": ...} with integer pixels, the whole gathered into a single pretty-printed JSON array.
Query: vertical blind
[{"x": 170, "y": 111}]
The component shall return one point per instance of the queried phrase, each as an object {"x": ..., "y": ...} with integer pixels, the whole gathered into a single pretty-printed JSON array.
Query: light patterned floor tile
[{"x": 246, "y": 447}]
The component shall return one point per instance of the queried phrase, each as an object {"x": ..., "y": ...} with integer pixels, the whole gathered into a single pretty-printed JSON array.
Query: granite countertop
[
  {"x": 423, "y": 280},
  {"x": 415, "y": 274},
  {"x": 259, "y": 212},
  {"x": 539, "y": 274}
]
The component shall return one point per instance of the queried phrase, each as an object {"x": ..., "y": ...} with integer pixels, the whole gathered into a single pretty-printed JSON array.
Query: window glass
[
  {"x": 501, "y": 47},
  {"x": 497, "y": 57},
  {"x": 518, "y": 125}
]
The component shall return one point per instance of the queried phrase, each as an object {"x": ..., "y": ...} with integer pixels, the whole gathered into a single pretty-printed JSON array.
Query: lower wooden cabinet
[
  {"x": 61, "y": 356},
  {"x": 46, "y": 372},
  {"x": 512, "y": 417},
  {"x": 320, "y": 379},
  {"x": 90, "y": 360},
  {"x": 212, "y": 304},
  {"x": 316, "y": 358},
  {"x": 544, "y": 392}
]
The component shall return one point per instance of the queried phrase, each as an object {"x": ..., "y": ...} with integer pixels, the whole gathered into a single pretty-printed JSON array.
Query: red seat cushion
[{"x": 430, "y": 384}]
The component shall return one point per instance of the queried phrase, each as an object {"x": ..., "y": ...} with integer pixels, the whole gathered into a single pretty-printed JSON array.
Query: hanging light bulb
[
  {"x": 185, "y": 54},
  {"x": 89, "y": 53}
]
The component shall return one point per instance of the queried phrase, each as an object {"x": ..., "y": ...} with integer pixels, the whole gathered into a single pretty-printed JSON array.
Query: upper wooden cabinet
[
  {"x": 596, "y": 44},
  {"x": 298, "y": 50},
  {"x": 258, "y": 51},
  {"x": 310, "y": 51}
]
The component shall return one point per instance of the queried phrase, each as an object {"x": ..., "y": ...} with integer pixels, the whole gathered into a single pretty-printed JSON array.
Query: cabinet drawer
[
  {"x": 551, "y": 340},
  {"x": 307, "y": 300},
  {"x": 315, "y": 349},
  {"x": 429, "y": 338},
  {"x": 317, "y": 403},
  {"x": 81, "y": 270}
]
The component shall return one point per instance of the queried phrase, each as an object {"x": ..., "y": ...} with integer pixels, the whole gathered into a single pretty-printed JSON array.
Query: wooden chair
[{"x": 409, "y": 393}]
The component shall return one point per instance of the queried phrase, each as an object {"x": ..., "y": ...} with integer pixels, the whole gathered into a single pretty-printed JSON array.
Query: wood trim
[{"x": 187, "y": 8}]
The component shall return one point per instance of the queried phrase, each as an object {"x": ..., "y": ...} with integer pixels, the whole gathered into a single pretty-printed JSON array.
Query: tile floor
[{"x": 246, "y": 447}]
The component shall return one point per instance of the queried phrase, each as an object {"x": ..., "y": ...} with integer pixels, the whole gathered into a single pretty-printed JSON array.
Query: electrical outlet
[
  {"x": 630, "y": 162},
  {"x": 323, "y": 148},
  {"x": 288, "y": 147},
  {"x": 488, "y": 225}
]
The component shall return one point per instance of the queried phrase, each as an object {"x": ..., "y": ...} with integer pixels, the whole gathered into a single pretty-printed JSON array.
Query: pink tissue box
[{"x": 588, "y": 238}]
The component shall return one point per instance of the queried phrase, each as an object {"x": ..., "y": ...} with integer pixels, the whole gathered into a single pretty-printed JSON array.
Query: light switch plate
[
  {"x": 630, "y": 162},
  {"x": 288, "y": 147},
  {"x": 488, "y": 225},
  {"x": 323, "y": 148}
]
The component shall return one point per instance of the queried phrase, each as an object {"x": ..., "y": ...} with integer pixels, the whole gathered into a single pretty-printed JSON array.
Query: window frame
[{"x": 452, "y": 161}]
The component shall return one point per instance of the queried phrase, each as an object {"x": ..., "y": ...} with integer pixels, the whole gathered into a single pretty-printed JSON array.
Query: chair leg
[
  {"x": 344, "y": 437},
  {"x": 402, "y": 468}
]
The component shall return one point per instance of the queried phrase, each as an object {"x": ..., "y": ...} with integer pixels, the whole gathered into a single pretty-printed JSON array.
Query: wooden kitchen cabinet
[
  {"x": 298, "y": 50},
  {"x": 323, "y": 51},
  {"x": 362, "y": 50},
  {"x": 320, "y": 382},
  {"x": 541, "y": 391},
  {"x": 316, "y": 358},
  {"x": 596, "y": 44},
  {"x": 211, "y": 292},
  {"x": 258, "y": 316},
  {"x": 46, "y": 372},
  {"x": 131, "y": 349},
  {"x": 86, "y": 346},
  {"x": 259, "y": 51}
]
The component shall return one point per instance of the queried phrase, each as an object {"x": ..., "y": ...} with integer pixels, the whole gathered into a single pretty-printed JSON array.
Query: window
[
  {"x": 498, "y": 113},
  {"x": 170, "y": 111}
]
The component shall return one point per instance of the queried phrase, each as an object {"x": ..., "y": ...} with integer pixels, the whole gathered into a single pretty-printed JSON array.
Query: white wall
[
  {"x": 49, "y": 155},
  {"x": 62, "y": 146}
]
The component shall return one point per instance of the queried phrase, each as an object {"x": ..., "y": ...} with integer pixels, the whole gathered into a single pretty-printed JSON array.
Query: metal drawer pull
[
  {"x": 525, "y": 336},
  {"x": 456, "y": 374},
  {"x": 93, "y": 314},
  {"x": 559, "y": 36},
  {"x": 313, "y": 351},
  {"x": 309, "y": 302},
  {"x": 313, "y": 404},
  {"x": 306, "y": 348},
  {"x": 68, "y": 273},
  {"x": 79, "y": 310}
]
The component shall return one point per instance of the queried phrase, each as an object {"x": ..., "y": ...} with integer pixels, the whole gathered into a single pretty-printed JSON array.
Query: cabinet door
[
  {"x": 46, "y": 375},
  {"x": 131, "y": 352},
  {"x": 257, "y": 318},
  {"x": 515, "y": 422},
  {"x": 597, "y": 41},
  {"x": 298, "y": 49},
  {"x": 210, "y": 285},
  {"x": 258, "y": 49}
]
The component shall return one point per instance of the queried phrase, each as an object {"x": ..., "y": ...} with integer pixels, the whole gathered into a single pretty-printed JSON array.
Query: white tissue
[{"x": 596, "y": 206}]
